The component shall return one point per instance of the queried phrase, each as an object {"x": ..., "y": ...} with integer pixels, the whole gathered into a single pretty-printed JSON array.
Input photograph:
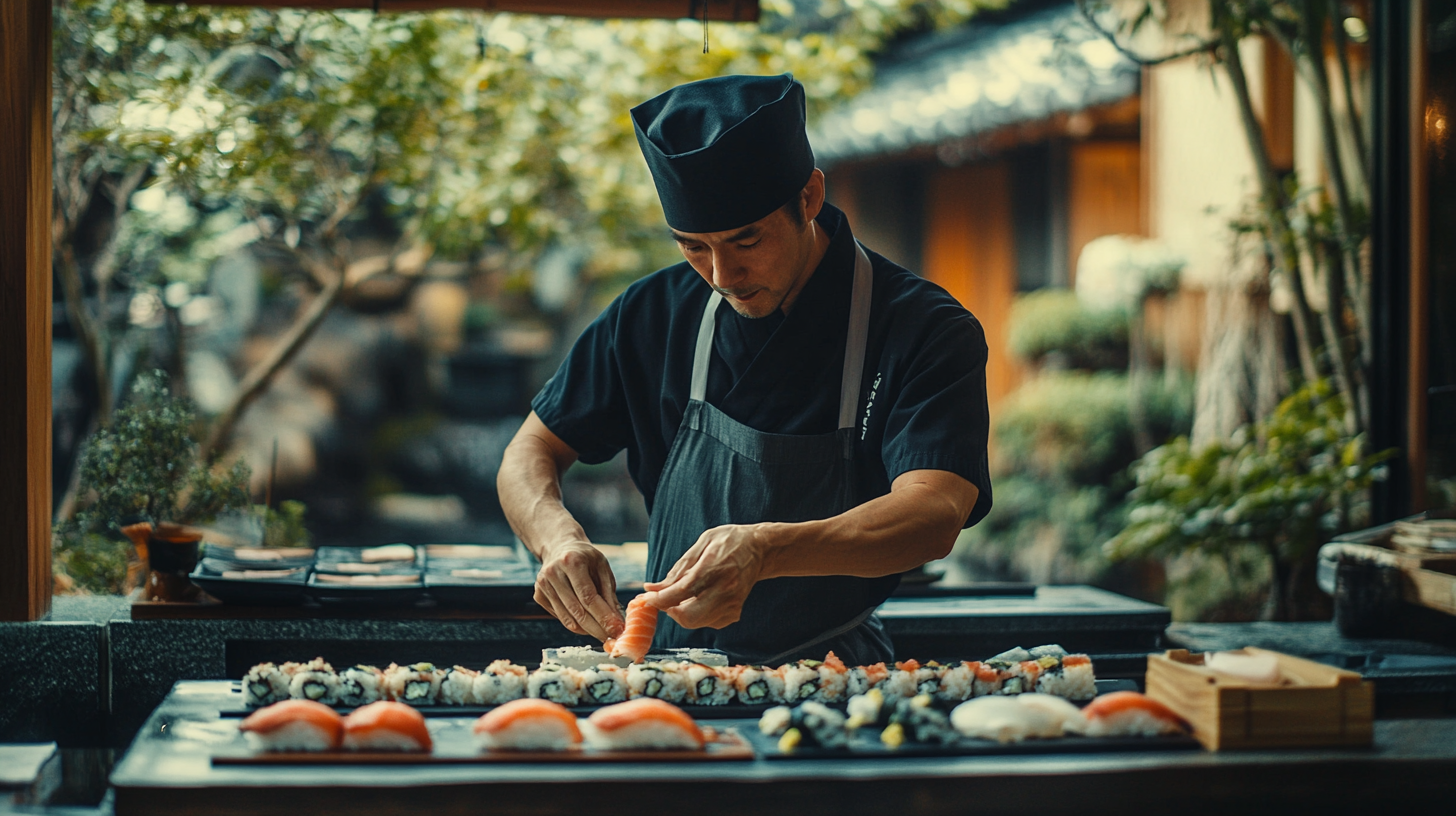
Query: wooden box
[{"x": 1312, "y": 704}]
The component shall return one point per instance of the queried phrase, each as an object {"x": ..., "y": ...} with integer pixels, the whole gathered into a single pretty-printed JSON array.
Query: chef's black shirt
[{"x": 922, "y": 403}]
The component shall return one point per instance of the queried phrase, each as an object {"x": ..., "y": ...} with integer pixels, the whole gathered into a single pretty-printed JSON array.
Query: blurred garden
[{"x": 312, "y": 266}]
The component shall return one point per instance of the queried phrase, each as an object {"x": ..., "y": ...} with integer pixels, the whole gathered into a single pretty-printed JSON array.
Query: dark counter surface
[{"x": 167, "y": 770}]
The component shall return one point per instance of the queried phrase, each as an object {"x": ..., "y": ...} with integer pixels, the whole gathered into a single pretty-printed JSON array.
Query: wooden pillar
[{"x": 25, "y": 309}]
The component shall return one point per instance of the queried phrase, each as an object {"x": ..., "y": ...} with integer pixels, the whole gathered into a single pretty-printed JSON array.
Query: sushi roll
[
  {"x": 833, "y": 680},
  {"x": 927, "y": 678},
  {"x": 868, "y": 710},
  {"x": 990, "y": 678},
  {"x": 917, "y": 720},
  {"x": 265, "y": 684},
  {"x": 709, "y": 686},
  {"x": 501, "y": 682},
  {"x": 1129, "y": 714},
  {"x": 757, "y": 685},
  {"x": 1023, "y": 677},
  {"x": 555, "y": 683},
  {"x": 604, "y": 684},
  {"x": 416, "y": 684},
  {"x": 957, "y": 682},
  {"x": 1070, "y": 678},
  {"x": 314, "y": 680},
  {"x": 801, "y": 680},
  {"x": 359, "y": 685},
  {"x": 458, "y": 687},
  {"x": 663, "y": 681},
  {"x": 643, "y": 723},
  {"x": 901, "y": 681},
  {"x": 813, "y": 725},
  {"x": 386, "y": 726},
  {"x": 294, "y": 725},
  {"x": 1003, "y": 719},
  {"x": 527, "y": 724},
  {"x": 861, "y": 679}
]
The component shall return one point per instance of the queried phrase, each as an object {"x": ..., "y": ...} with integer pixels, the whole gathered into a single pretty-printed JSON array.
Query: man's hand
[
  {"x": 577, "y": 586},
  {"x": 709, "y": 584}
]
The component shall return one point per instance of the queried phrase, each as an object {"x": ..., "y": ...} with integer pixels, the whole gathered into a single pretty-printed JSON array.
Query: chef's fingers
[
  {"x": 546, "y": 597},
  {"x": 673, "y": 593},
  {"x": 601, "y": 616},
  {"x": 563, "y": 583}
]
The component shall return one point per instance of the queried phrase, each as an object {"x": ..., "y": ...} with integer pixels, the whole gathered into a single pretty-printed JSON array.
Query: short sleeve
[
  {"x": 938, "y": 419},
  {"x": 584, "y": 402}
]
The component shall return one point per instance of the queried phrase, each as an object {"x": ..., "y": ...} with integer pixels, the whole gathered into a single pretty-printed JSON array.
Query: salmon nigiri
[
  {"x": 386, "y": 726},
  {"x": 645, "y": 722},
  {"x": 636, "y": 637},
  {"x": 294, "y": 725},
  {"x": 1129, "y": 714},
  {"x": 528, "y": 724}
]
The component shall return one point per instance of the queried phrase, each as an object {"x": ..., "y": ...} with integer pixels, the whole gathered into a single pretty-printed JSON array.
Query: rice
[
  {"x": 709, "y": 686},
  {"x": 604, "y": 684},
  {"x": 458, "y": 687},
  {"x": 758, "y": 685},
  {"x": 265, "y": 684},
  {"x": 801, "y": 680},
  {"x": 1072, "y": 679},
  {"x": 501, "y": 682},
  {"x": 664, "y": 681},
  {"x": 416, "y": 684},
  {"x": 957, "y": 683},
  {"x": 555, "y": 683},
  {"x": 314, "y": 680}
]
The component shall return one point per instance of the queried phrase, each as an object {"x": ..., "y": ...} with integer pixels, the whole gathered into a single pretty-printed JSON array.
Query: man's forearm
[
  {"x": 914, "y": 523},
  {"x": 529, "y": 485}
]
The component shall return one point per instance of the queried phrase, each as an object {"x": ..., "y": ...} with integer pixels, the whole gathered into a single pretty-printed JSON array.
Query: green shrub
[{"x": 1052, "y": 322}]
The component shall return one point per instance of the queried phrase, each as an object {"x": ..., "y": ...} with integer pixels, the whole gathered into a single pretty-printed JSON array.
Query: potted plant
[{"x": 140, "y": 475}]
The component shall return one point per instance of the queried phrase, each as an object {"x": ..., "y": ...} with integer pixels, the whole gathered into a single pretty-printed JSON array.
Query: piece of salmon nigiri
[
  {"x": 636, "y": 637},
  {"x": 528, "y": 724},
  {"x": 645, "y": 722},
  {"x": 294, "y": 725},
  {"x": 386, "y": 726}
]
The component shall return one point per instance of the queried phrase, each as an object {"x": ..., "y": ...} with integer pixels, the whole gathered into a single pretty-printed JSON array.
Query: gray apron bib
[{"x": 721, "y": 471}]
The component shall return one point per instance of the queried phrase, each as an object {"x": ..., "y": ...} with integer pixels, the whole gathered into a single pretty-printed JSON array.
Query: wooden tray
[
  {"x": 1314, "y": 705},
  {"x": 455, "y": 748}
]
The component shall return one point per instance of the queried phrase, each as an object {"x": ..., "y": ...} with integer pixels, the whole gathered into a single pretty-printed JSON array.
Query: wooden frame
[
  {"x": 25, "y": 309},
  {"x": 1418, "y": 379}
]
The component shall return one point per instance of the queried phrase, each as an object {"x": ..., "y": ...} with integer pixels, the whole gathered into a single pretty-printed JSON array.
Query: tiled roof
[{"x": 974, "y": 79}]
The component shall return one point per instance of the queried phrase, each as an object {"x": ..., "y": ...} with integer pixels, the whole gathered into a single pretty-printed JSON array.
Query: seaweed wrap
[
  {"x": 808, "y": 725},
  {"x": 917, "y": 720},
  {"x": 604, "y": 684},
  {"x": 416, "y": 684},
  {"x": 265, "y": 684},
  {"x": 555, "y": 683},
  {"x": 360, "y": 685},
  {"x": 861, "y": 679},
  {"x": 801, "y": 680},
  {"x": 664, "y": 681},
  {"x": 757, "y": 685},
  {"x": 314, "y": 680},
  {"x": 709, "y": 686}
]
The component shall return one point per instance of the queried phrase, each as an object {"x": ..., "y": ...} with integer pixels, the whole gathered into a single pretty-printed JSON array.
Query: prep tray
[{"x": 865, "y": 744}]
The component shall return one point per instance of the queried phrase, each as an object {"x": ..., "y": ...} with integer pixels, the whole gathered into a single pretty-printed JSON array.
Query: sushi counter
[{"x": 173, "y": 767}]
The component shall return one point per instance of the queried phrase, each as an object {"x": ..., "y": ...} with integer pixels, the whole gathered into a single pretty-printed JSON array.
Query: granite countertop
[{"x": 168, "y": 770}]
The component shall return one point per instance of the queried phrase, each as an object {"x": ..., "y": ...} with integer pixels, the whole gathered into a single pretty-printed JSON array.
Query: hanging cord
[{"x": 705, "y": 26}]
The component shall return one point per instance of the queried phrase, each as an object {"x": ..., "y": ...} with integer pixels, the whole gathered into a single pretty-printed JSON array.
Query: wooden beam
[
  {"x": 25, "y": 309},
  {"x": 731, "y": 11},
  {"x": 1417, "y": 400}
]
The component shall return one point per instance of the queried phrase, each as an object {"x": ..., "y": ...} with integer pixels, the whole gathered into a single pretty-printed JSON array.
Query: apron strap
[{"x": 854, "y": 344}]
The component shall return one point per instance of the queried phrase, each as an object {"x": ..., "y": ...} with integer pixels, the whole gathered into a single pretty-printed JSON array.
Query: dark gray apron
[{"x": 721, "y": 471}]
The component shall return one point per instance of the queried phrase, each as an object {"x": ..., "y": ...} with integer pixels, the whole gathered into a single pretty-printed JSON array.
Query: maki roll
[
  {"x": 757, "y": 685},
  {"x": 801, "y": 680},
  {"x": 604, "y": 684},
  {"x": 294, "y": 725},
  {"x": 1070, "y": 677},
  {"x": 1023, "y": 677},
  {"x": 664, "y": 681},
  {"x": 901, "y": 681},
  {"x": 958, "y": 682},
  {"x": 265, "y": 684},
  {"x": 811, "y": 724},
  {"x": 868, "y": 710},
  {"x": 990, "y": 678},
  {"x": 555, "y": 683},
  {"x": 360, "y": 685},
  {"x": 314, "y": 680},
  {"x": 501, "y": 682},
  {"x": 861, "y": 679},
  {"x": 927, "y": 678},
  {"x": 416, "y": 684},
  {"x": 917, "y": 720},
  {"x": 458, "y": 687},
  {"x": 527, "y": 725},
  {"x": 708, "y": 685},
  {"x": 833, "y": 680}
]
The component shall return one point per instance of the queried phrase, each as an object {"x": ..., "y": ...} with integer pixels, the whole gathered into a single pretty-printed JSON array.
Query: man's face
[{"x": 758, "y": 268}]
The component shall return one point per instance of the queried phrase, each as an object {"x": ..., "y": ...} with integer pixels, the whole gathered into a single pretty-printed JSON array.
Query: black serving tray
[
  {"x": 234, "y": 558},
  {"x": 512, "y": 588},
  {"x": 329, "y": 559},
  {"x": 344, "y": 595},
  {"x": 865, "y": 743},
  {"x": 282, "y": 591}
]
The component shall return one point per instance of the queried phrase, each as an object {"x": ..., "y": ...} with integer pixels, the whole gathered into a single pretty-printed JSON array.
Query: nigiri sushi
[
  {"x": 636, "y": 638},
  {"x": 294, "y": 725},
  {"x": 1062, "y": 716},
  {"x": 386, "y": 726},
  {"x": 527, "y": 724},
  {"x": 642, "y": 723},
  {"x": 1129, "y": 714}
]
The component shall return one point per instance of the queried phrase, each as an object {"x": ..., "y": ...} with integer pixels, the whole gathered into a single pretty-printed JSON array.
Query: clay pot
[{"x": 171, "y": 552}]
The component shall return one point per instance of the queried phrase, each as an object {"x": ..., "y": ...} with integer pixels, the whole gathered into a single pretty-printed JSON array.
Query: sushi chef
[{"x": 805, "y": 419}]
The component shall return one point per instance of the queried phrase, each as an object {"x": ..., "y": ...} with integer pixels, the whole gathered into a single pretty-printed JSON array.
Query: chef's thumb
[{"x": 668, "y": 597}]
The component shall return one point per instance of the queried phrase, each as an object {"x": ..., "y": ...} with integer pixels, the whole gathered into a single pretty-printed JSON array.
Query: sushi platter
[{"x": 869, "y": 746}]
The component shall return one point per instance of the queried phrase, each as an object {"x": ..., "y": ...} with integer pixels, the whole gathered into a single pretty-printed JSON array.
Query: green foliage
[
  {"x": 1285, "y": 486},
  {"x": 283, "y": 526},
  {"x": 1051, "y": 321},
  {"x": 142, "y": 467},
  {"x": 89, "y": 562}
]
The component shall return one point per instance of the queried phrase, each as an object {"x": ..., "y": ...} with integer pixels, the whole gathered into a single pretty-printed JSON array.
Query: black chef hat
[{"x": 727, "y": 151}]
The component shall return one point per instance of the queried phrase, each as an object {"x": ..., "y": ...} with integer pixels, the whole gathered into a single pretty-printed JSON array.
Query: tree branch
[
  {"x": 1111, "y": 36},
  {"x": 1357, "y": 130}
]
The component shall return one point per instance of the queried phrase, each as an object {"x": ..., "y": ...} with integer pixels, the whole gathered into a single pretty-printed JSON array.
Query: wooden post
[
  {"x": 25, "y": 309},
  {"x": 1417, "y": 400}
]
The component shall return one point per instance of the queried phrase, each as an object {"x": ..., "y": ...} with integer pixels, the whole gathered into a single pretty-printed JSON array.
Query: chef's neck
[{"x": 817, "y": 243}]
